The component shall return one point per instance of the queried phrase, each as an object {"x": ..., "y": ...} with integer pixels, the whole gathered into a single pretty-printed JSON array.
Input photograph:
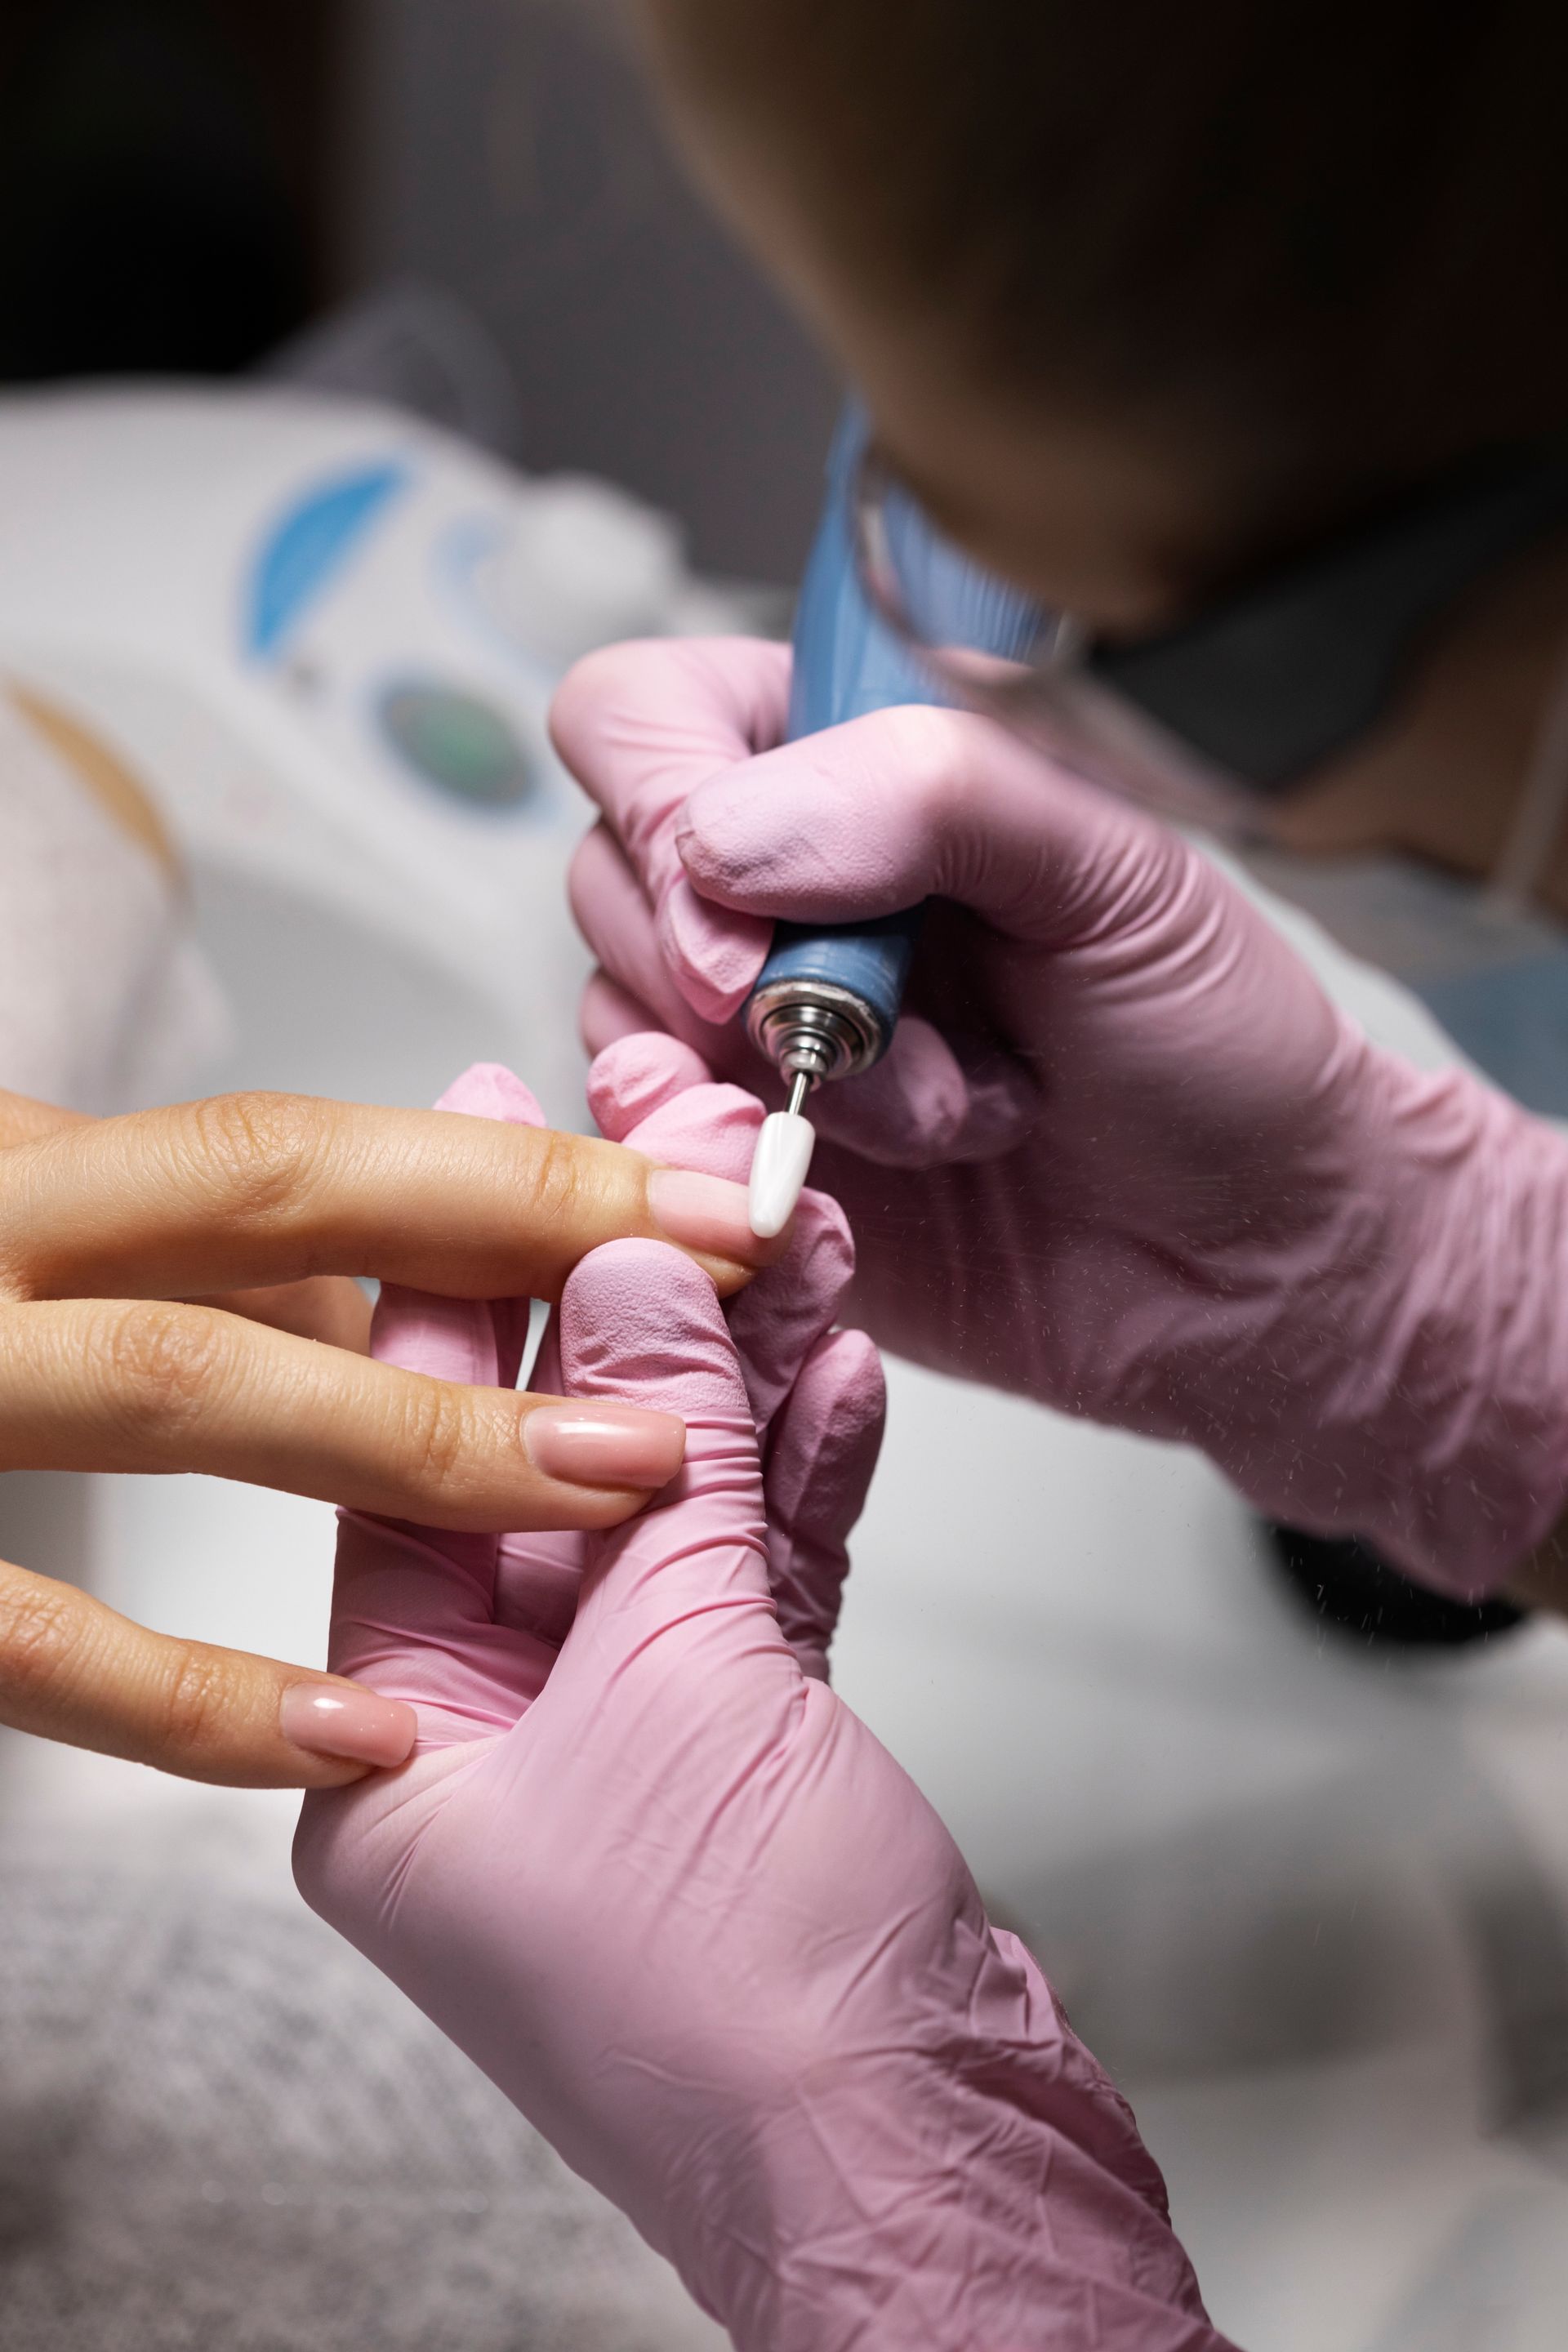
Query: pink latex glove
[
  {"x": 1130, "y": 1161},
  {"x": 676, "y": 1900}
]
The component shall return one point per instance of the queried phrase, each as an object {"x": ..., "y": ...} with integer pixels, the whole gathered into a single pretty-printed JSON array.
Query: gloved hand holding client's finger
[{"x": 666, "y": 1889}]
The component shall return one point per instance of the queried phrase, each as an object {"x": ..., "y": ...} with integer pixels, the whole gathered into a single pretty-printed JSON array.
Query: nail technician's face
[
  {"x": 1099, "y": 523},
  {"x": 1096, "y": 513}
]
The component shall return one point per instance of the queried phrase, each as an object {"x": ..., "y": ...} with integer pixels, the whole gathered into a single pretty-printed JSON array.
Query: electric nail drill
[{"x": 826, "y": 1001}]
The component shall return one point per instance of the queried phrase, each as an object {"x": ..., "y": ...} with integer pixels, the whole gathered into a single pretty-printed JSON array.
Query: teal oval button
[{"x": 456, "y": 741}]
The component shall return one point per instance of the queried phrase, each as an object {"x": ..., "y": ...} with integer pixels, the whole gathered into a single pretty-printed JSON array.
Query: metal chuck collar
[{"x": 812, "y": 1028}]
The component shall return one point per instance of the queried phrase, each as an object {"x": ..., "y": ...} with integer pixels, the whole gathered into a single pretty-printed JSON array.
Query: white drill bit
[{"x": 781, "y": 1161}]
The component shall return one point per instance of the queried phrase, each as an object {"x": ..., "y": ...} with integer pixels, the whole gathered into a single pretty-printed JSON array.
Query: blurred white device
[{"x": 321, "y": 638}]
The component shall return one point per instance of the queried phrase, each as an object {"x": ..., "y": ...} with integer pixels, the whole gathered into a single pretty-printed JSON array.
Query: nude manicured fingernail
[
  {"x": 605, "y": 1445},
  {"x": 334, "y": 1719},
  {"x": 703, "y": 1212}
]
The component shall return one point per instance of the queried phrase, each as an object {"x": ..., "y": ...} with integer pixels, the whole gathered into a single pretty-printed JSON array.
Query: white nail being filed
[{"x": 778, "y": 1169}]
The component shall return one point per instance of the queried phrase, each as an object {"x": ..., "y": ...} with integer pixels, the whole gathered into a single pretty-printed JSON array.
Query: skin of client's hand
[
  {"x": 672, "y": 1895},
  {"x": 1124, "y": 1155},
  {"x": 176, "y": 1295}
]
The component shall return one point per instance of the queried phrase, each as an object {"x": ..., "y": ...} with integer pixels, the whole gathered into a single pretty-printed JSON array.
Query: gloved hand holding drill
[{"x": 1124, "y": 1156}]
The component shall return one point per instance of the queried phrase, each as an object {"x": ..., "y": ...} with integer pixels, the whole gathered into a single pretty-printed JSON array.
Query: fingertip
[
  {"x": 729, "y": 832},
  {"x": 595, "y": 684},
  {"x": 830, "y": 1436},
  {"x": 715, "y": 954},
  {"x": 569, "y": 705},
  {"x": 636, "y": 1075},
  {"x": 642, "y": 1322},
  {"x": 490, "y": 1090},
  {"x": 639, "y": 1259},
  {"x": 776, "y": 1325},
  {"x": 452, "y": 1339},
  {"x": 825, "y": 1244},
  {"x": 803, "y": 832},
  {"x": 848, "y": 1380},
  {"x": 860, "y": 1382},
  {"x": 712, "y": 1126}
]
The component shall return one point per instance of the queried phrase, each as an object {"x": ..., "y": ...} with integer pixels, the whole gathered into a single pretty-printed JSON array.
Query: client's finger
[
  {"x": 101, "y": 1384},
  {"x": 23, "y": 1117},
  {"x": 253, "y": 1190},
  {"x": 330, "y": 1308},
  {"x": 72, "y": 1670},
  {"x": 478, "y": 1342},
  {"x": 413, "y": 1609}
]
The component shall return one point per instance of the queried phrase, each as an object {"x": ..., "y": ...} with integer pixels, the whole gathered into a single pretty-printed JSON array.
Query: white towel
[
  {"x": 106, "y": 1001},
  {"x": 220, "y": 2128}
]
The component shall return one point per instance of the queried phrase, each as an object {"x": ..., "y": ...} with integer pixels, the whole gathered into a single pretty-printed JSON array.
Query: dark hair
[{"x": 1333, "y": 231}]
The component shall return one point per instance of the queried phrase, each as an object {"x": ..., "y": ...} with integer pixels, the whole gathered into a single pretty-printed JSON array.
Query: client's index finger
[{"x": 246, "y": 1190}]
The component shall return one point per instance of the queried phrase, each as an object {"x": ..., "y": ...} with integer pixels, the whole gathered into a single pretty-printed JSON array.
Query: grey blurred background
[{"x": 184, "y": 183}]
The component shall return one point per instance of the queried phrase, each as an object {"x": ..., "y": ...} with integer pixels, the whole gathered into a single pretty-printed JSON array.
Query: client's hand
[
  {"x": 671, "y": 1893},
  {"x": 166, "y": 1281}
]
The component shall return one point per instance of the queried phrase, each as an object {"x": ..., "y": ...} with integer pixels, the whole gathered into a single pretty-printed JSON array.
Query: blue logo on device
[{"x": 310, "y": 546}]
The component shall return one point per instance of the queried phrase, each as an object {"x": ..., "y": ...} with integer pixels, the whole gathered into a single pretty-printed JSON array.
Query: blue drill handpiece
[{"x": 826, "y": 1001}]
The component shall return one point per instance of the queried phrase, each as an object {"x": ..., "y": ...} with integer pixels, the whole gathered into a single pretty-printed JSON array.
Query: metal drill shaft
[{"x": 800, "y": 1089}]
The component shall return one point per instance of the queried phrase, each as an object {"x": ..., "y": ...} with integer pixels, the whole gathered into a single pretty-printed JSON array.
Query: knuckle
[
  {"x": 16, "y": 1278},
  {"x": 933, "y": 761},
  {"x": 260, "y": 1150},
  {"x": 556, "y": 1181},
  {"x": 436, "y": 1436},
  {"x": 38, "y": 1625},
  {"x": 160, "y": 1364},
  {"x": 192, "y": 1702},
  {"x": 24, "y": 1178}
]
